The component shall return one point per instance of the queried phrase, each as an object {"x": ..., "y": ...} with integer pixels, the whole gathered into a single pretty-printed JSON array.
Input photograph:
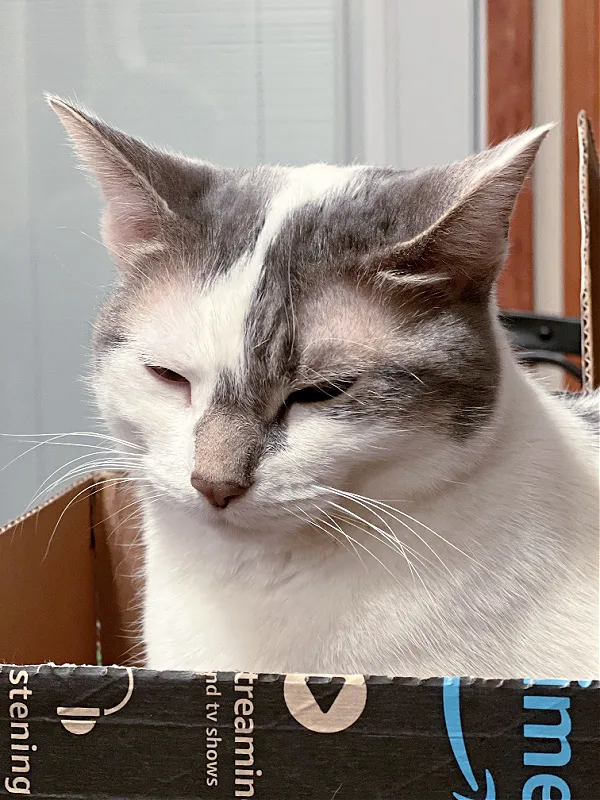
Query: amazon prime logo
[
  {"x": 451, "y": 697},
  {"x": 557, "y": 729}
]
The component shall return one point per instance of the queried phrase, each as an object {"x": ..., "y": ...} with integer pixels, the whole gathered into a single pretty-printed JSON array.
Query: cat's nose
[{"x": 218, "y": 493}]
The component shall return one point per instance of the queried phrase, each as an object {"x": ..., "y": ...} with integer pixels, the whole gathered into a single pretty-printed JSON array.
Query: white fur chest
[{"x": 526, "y": 607}]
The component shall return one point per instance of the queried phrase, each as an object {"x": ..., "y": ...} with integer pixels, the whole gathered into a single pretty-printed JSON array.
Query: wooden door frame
[{"x": 509, "y": 111}]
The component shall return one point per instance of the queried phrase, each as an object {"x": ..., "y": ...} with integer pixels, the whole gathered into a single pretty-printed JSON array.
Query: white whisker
[
  {"x": 391, "y": 511},
  {"x": 368, "y": 504}
]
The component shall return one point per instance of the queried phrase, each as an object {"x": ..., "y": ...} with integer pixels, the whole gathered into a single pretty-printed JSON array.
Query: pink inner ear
[
  {"x": 128, "y": 228},
  {"x": 133, "y": 215},
  {"x": 134, "y": 212}
]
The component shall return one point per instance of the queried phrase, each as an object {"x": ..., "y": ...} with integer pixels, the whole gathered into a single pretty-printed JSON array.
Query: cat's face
[{"x": 278, "y": 331}]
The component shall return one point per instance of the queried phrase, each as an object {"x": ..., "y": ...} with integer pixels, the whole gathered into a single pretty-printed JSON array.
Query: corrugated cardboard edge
[
  {"x": 589, "y": 210},
  {"x": 33, "y": 512},
  {"x": 183, "y": 676}
]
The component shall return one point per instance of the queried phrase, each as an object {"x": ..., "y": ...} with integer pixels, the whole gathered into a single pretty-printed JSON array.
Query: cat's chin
[
  {"x": 253, "y": 524},
  {"x": 244, "y": 520}
]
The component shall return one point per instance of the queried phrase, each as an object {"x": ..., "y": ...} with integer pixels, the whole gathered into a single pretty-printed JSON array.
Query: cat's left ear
[
  {"x": 145, "y": 190},
  {"x": 464, "y": 248}
]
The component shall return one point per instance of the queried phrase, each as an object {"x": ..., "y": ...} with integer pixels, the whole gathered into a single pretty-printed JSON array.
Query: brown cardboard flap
[
  {"x": 119, "y": 564},
  {"x": 47, "y": 593},
  {"x": 589, "y": 209},
  {"x": 67, "y": 565}
]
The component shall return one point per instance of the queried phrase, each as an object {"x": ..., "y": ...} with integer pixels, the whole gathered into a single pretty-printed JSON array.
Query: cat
[{"x": 342, "y": 467}]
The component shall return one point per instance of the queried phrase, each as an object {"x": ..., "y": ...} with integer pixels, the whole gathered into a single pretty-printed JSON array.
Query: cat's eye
[
  {"x": 167, "y": 374},
  {"x": 320, "y": 392}
]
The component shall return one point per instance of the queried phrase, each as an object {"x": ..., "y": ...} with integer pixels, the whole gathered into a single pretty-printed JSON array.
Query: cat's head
[{"x": 280, "y": 330}]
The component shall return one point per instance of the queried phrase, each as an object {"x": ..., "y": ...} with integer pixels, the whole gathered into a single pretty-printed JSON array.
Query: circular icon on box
[
  {"x": 345, "y": 709},
  {"x": 80, "y": 720}
]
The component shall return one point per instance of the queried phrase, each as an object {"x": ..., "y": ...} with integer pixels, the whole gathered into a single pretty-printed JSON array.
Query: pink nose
[{"x": 218, "y": 493}]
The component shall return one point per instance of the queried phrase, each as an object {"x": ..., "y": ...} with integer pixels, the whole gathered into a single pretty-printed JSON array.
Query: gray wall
[{"x": 233, "y": 81}]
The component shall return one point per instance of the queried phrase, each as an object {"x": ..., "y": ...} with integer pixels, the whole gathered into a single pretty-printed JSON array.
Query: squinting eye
[
  {"x": 167, "y": 374},
  {"x": 319, "y": 393}
]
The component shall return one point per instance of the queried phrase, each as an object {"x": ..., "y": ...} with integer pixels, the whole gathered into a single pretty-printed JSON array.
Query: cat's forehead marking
[
  {"x": 235, "y": 291},
  {"x": 211, "y": 326}
]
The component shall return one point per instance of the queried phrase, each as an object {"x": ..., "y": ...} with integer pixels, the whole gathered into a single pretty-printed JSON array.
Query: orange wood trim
[
  {"x": 581, "y": 82},
  {"x": 510, "y": 110}
]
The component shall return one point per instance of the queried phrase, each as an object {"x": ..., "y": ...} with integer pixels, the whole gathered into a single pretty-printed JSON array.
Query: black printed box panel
[{"x": 116, "y": 733}]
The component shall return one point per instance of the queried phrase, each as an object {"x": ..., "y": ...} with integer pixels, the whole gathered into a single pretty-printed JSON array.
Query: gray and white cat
[{"x": 342, "y": 467}]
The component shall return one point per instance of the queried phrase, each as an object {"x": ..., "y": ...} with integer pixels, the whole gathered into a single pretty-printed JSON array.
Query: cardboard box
[
  {"x": 69, "y": 595},
  {"x": 589, "y": 210}
]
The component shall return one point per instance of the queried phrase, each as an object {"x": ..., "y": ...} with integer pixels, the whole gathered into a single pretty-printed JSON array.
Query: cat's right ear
[
  {"x": 139, "y": 183},
  {"x": 465, "y": 209}
]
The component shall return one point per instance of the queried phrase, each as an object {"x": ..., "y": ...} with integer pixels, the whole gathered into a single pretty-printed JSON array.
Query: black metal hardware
[
  {"x": 543, "y": 332},
  {"x": 546, "y": 357},
  {"x": 544, "y": 339}
]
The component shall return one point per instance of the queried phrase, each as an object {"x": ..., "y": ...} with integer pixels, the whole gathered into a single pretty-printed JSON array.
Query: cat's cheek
[
  {"x": 140, "y": 410},
  {"x": 319, "y": 448}
]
